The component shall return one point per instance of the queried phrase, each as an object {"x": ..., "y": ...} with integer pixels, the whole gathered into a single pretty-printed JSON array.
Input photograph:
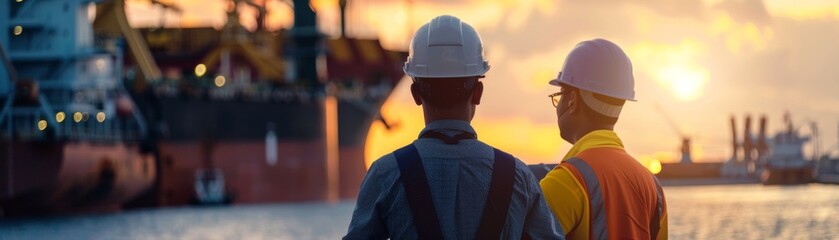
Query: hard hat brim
[{"x": 559, "y": 83}]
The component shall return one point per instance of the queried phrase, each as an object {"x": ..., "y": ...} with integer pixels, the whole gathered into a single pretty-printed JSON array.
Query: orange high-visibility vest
[{"x": 625, "y": 201}]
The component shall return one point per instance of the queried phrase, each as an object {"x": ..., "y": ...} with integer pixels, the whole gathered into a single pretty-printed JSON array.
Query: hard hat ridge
[{"x": 446, "y": 47}]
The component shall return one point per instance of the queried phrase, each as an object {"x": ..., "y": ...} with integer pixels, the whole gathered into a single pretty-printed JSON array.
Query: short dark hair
[{"x": 445, "y": 91}]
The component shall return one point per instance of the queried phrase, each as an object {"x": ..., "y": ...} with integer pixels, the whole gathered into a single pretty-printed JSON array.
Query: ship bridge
[{"x": 60, "y": 81}]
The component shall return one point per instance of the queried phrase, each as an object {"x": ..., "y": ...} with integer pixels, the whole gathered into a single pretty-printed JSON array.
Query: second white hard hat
[
  {"x": 601, "y": 67},
  {"x": 446, "y": 48}
]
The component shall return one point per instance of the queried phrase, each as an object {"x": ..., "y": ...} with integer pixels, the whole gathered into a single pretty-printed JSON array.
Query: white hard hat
[
  {"x": 446, "y": 48},
  {"x": 598, "y": 66}
]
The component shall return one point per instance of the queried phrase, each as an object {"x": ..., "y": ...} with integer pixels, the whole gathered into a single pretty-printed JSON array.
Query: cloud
[
  {"x": 674, "y": 9},
  {"x": 751, "y": 62},
  {"x": 751, "y": 11}
]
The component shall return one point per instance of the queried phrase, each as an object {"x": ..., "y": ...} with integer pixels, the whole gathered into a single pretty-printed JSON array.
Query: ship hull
[
  {"x": 56, "y": 177},
  {"x": 690, "y": 171},
  {"x": 788, "y": 176},
  {"x": 231, "y": 136},
  {"x": 298, "y": 175}
]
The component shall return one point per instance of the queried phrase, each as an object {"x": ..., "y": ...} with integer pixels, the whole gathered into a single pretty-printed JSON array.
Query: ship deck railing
[
  {"x": 256, "y": 93},
  {"x": 31, "y": 123}
]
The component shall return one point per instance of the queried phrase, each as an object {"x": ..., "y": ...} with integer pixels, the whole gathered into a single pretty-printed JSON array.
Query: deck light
[
  {"x": 220, "y": 81},
  {"x": 77, "y": 117},
  {"x": 100, "y": 117},
  {"x": 59, "y": 117},
  {"x": 42, "y": 125},
  {"x": 200, "y": 70}
]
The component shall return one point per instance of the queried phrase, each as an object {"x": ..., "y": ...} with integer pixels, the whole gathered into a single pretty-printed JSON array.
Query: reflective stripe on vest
[
  {"x": 597, "y": 208},
  {"x": 595, "y": 196},
  {"x": 655, "y": 222}
]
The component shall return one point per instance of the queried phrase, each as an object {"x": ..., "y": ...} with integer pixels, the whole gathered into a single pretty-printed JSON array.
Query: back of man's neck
[
  {"x": 590, "y": 129},
  {"x": 432, "y": 115}
]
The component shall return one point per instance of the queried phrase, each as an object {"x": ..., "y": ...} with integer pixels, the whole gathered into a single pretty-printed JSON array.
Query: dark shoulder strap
[
  {"x": 655, "y": 222},
  {"x": 498, "y": 199},
  {"x": 412, "y": 175}
]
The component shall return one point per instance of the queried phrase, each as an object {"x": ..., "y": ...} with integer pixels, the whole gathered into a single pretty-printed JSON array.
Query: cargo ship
[
  {"x": 253, "y": 116},
  {"x": 188, "y": 115},
  {"x": 71, "y": 138},
  {"x": 786, "y": 163}
]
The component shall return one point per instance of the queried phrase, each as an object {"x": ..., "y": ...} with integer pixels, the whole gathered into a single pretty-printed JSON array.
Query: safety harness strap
[
  {"x": 412, "y": 174},
  {"x": 498, "y": 199},
  {"x": 422, "y": 206}
]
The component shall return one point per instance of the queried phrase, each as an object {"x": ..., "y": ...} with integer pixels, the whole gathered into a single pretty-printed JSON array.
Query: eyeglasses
[{"x": 556, "y": 97}]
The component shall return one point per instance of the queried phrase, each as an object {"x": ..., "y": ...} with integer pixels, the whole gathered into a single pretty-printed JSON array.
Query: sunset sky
[{"x": 698, "y": 61}]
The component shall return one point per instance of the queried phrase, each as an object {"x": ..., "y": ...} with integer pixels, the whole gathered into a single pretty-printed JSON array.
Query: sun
[{"x": 686, "y": 82}]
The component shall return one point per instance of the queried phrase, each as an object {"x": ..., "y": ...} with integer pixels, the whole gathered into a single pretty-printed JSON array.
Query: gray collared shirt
[{"x": 458, "y": 176}]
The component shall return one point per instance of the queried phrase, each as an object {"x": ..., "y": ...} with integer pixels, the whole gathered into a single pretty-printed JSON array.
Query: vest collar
[{"x": 595, "y": 139}]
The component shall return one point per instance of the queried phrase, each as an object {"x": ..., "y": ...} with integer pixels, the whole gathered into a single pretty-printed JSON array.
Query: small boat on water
[{"x": 210, "y": 189}]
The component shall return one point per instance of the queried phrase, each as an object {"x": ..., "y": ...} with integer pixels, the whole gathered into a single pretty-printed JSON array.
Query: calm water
[{"x": 704, "y": 212}]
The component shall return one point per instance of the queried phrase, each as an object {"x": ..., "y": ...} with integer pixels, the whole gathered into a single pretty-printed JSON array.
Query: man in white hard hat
[
  {"x": 447, "y": 184},
  {"x": 599, "y": 191}
]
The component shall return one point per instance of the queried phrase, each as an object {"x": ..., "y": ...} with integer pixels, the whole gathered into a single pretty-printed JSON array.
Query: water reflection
[{"x": 698, "y": 212}]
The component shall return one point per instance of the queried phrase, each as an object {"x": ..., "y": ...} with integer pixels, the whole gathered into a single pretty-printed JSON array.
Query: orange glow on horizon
[{"x": 532, "y": 143}]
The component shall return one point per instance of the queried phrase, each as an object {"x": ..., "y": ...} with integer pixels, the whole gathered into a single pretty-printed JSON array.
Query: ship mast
[{"x": 306, "y": 47}]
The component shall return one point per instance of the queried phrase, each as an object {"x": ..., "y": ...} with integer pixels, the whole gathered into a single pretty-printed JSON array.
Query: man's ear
[
  {"x": 574, "y": 101},
  {"x": 415, "y": 92},
  {"x": 477, "y": 92}
]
